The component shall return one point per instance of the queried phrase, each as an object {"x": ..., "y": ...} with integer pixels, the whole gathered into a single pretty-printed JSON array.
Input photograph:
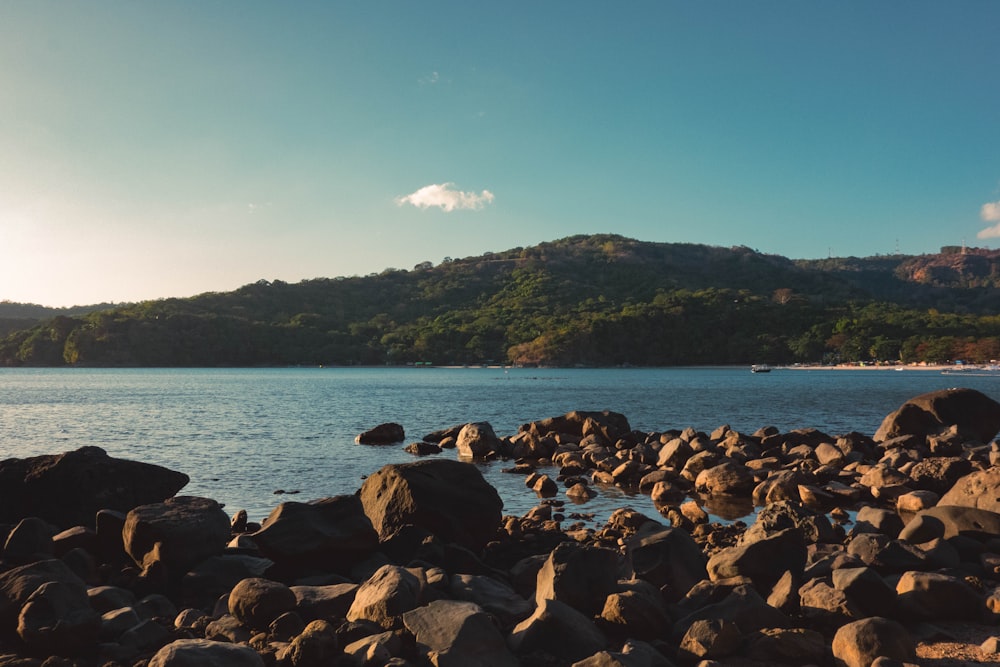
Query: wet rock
[
  {"x": 383, "y": 434},
  {"x": 449, "y": 498},
  {"x": 68, "y": 489}
]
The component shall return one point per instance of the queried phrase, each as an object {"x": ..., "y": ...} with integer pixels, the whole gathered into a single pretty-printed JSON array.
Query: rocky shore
[{"x": 865, "y": 550}]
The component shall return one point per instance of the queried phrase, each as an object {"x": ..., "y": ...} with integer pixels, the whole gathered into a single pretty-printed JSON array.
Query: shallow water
[{"x": 242, "y": 434}]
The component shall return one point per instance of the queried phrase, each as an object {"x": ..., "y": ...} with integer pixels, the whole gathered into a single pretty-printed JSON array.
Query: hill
[{"x": 595, "y": 300}]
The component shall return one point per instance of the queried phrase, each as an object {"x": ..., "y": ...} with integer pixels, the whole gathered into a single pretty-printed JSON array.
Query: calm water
[{"x": 243, "y": 434}]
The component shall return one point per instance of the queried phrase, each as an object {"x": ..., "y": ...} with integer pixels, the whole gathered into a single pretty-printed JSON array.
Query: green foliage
[{"x": 594, "y": 300}]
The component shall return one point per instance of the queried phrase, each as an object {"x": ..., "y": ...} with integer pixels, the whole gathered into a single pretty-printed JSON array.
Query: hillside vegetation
[{"x": 592, "y": 300}]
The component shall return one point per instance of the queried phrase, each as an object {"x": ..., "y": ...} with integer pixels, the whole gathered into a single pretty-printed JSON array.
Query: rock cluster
[{"x": 858, "y": 547}]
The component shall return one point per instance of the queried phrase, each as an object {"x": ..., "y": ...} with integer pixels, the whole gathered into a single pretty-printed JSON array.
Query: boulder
[
  {"x": 205, "y": 653},
  {"x": 728, "y": 478},
  {"x": 57, "y": 619},
  {"x": 256, "y": 602},
  {"x": 216, "y": 576},
  {"x": 865, "y": 590},
  {"x": 386, "y": 596},
  {"x": 30, "y": 541},
  {"x": 932, "y": 595},
  {"x": 787, "y": 646},
  {"x": 178, "y": 533},
  {"x": 708, "y": 639},
  {"x": 315, "y": 646},
  {"x": 976, "y": 416},
  {"x": 634, "y": 653},
  {"x": 449, "y": 498},
  {"x": 740, "y": 604},
  {"x": 953, "y": 520},
  {"x": 938, "y": 474},
  {"x": 68, "y": 489},
  {"x": 784, "y": 514},
  {"x": 17, "y": 585},
  {"x": 331, "y": 533},
  {"x": 477, "y": 440},
  {"x": 383, "y": 434},
  {"x": 978, "y": 489},
  {"x": 636, "y": 613},
  {"x": 609, "y": 426},
  {"x": 329, "y": 601},
  {"x": 454, "y": 634},
  {"x": 667, "y": 558},
  {"x": 492, "y": 595},
  {"x": 579, "y": 576},
  {"x": 558, "y": 630},
  {"x": 858, "y": 644},
  {"x": 764, "y": 561}
]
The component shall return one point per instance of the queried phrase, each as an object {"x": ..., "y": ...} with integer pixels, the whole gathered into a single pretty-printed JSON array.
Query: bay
[{"x": 243, "y": 434}]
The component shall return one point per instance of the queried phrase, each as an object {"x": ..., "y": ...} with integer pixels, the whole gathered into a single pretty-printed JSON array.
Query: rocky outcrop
[
  {"x": 68, "y": 489},
  {"x": 974, "y": 416}
]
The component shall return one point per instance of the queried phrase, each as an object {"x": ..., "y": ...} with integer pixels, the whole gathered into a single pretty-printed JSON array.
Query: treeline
[{"x": 592, "y": 300}]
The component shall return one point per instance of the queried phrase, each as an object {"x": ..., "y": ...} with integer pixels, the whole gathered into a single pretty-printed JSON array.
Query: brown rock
[
  {"x": 976, "y": 416},
  {"x": 255, "y": 602},
  {"x": 557, "y": 630},
  {"x": 205, "y": 653},
  {"x": 455, "y": 634},
  {"x": 383, "y": 434},
  {"x": 859, "y": 643},
  {"x": 178, "y": 533},
  {"x": 386, "y": 596}
]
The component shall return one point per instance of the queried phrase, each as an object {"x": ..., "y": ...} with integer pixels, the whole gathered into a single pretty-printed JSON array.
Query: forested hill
[{"x": 594, "y": 300}]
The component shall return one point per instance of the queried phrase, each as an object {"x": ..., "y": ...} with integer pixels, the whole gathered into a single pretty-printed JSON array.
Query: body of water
[{"x": 242, "y": 434}]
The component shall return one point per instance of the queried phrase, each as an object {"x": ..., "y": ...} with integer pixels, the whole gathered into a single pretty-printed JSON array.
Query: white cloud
[
  {"x": 447, "y": 199},
  {"x": 430, "y": 79},
  {"x": 990, "y": 212}
]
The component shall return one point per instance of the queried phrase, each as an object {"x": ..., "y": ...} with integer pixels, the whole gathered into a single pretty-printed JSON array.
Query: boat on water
[
  {"x": 760, "y": 368},
  {"x": 973, "y": 369}
]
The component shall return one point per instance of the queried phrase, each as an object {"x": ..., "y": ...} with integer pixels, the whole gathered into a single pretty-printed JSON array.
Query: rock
[
  {"x": 931, "y": 595},
  {"x": 976, "y": 416},
  {"x": 865, "y": 591},
  {"x": 18, "y": 584},
  {"x": 68, "y": 489},
  {"x": 633, "y": 654},
  {"x": 315, "y": 646},
  {"x": 636, "y": 613},
  {"x": 784, "y": 514},
  {"x": 492, "y": 595},
  {"x": 667, "y": 558},
  {"x": 383, "y": 434},
  {"x": 859, "y": 643},
  {"x": 449, "y": 498},
  {"x": 255, "y": 602},
  {"x": 422, "y": 448},
  {"x": 885, "y": 554},
  {"x": 558, "y": 630},
  {"x": 545, "y": 486},
  {"x": 878, "y": 520},
  {"x": 453, "y": 633},
  {"x": 979, "y": 489},
  {"x": 178, "y": 533},
  {"x": 824, "y": 605},
  {"x": 728, "y": 478},
  {"x": 792, "y": 646},
  {"x": 216, "y": 576},
  {"x": 329, "y": 601},
  {"x": 30, "y": 541},
  {"x": 386, "y": 596},
  {"x": 607, "y": 425},
  {"x": 764, "y": 561},
  {"x": 57, "y": 619},
  {"x": 710, "y": 639},
  {"x": 580, "y": 493},
  {"x": 331, "y": 533},
  {"x": 205, "y": 653},
  {"x": 477, "y": 441},
  {"x": 780, "y": 485},
  {"x": 954, "y": 520},
  {"x": 740, "y": 604},
  {"x": 579, "y": 576},
  {"x": 916, "y": 501},
  {"x": 938, "y": 474}
]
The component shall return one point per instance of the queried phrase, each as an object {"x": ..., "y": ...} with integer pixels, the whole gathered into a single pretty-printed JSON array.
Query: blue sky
[{"x": 166, "y": 149}]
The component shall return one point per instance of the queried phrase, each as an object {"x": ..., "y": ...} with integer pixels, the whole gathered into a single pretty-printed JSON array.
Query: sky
[{"x": 166, "y": 149}]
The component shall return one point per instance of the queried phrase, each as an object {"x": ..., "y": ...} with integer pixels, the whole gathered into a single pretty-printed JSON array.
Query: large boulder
[
  {"x": 579, "y": 576},
  {"x": 976, "y": 416},
  {"x": 668, "y": 559},
  {"x": 448, "y": 498},
  {"x": 763, "y": 561},
  {"x": 386, "y": 596},
  {"x": 330, "y": 533},
  {"x": 68, "y": 489},
  {"x": 57, "y": 619},
  {"x": 858, "y": 644},
  {"x": 255, "y": 602},
  {"x": 178, "y": 533},
  {"x": 558, "y": 630}
]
